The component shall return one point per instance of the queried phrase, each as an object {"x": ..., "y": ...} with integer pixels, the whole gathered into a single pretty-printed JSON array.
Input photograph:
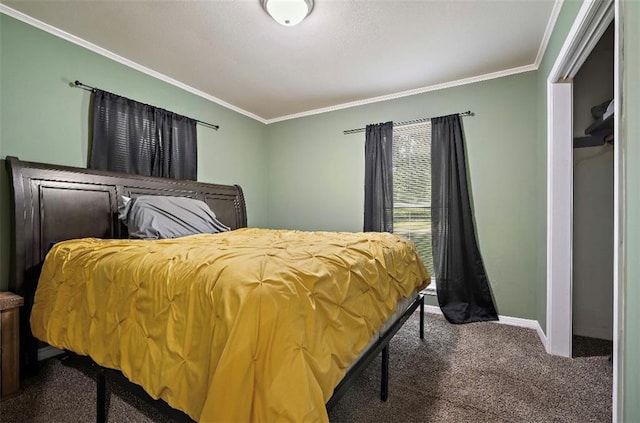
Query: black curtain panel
[
  {"x": 462, "y": 285},
  {"x": 378, "y": 178},
  {"x": 178, "y": 141},
  {"x": 133, "y": 137}
]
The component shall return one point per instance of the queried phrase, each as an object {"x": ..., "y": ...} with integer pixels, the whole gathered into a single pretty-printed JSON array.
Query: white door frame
[
  {"x": 559, "y": 217},
  {"x": 591, "y": 22}
]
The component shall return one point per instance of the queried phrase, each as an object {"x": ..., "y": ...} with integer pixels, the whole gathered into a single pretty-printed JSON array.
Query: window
[{"x": 412, "y": 187}]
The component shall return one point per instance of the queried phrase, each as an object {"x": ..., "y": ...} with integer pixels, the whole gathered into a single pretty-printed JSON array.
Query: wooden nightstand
[{"x": 9, "y": 343}]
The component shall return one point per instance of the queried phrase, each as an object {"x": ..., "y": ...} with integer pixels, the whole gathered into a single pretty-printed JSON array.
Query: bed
[{"x": 291, "y": 361}]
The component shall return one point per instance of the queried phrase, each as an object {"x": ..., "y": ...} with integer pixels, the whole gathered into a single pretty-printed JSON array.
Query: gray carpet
[
  {"x": 480, "y": 372},
  {"x": 590, "y": 347}
]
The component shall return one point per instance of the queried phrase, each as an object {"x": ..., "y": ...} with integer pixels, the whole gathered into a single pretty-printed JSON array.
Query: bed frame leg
[
  {"x": 101, "y": 402},
  {"x": 422, "y": 318},
  {"x": 384, "y": 378}
]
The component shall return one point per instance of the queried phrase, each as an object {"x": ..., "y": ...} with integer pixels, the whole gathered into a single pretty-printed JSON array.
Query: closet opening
[{"x": 593, "y": 201}]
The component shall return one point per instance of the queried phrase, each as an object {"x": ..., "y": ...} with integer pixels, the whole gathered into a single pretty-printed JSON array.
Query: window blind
[{"x": 412, "y": 187}]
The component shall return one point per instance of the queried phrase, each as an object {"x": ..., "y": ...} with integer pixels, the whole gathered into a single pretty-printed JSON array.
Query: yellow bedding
[{"x": 252, "y": 325}]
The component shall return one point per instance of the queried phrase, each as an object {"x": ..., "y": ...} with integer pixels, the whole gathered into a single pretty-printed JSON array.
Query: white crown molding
[
  {"x": 459, "y": 82},
  {"x": 555, "y": 12},
  {"x": 117, "y": 58},
  {"x": 129, "y": 63}
]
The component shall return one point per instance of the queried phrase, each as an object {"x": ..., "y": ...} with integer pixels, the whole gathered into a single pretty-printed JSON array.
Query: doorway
[
  {"x": 593, "y": 211},
  {"x": 591, "y": 23}
]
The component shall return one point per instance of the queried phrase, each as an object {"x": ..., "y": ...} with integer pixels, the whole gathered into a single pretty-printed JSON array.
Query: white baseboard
[
  {"x": 506, "y": 320},
  {"x": 432, "y": 309},
  {"x": 542, "y": 336},
  {"x": 48, "y": 352}
]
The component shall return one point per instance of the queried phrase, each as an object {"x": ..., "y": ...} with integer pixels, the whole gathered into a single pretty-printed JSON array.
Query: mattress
[{"x": 246, "y": 325}]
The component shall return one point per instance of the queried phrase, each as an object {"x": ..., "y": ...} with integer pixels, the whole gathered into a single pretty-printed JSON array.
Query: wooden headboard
[{"x": 56, "y": 203}]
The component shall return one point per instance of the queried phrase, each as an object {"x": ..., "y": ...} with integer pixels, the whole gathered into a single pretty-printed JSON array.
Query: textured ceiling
[{"x": 345, "y": 51}]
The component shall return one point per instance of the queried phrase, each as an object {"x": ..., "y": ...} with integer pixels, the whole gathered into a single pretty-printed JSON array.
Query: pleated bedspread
[{"x": 252, "y": 325}]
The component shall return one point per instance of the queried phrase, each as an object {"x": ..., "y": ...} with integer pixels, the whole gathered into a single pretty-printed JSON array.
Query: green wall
[
  {"x": 316, "y": 174},
  {"x": 630, "y": 129},
  {"x": 44, "y": 119}
]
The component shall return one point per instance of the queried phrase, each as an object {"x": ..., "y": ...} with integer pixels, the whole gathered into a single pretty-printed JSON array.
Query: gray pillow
[{"x": 160, "y": 217}]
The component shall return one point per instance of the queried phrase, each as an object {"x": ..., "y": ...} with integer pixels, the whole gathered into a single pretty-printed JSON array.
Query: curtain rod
[
  {"x": 86, "y": 87},
  {"x": 407, "y": 122}
]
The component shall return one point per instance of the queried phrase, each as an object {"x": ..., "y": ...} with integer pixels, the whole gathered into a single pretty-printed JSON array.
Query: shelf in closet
[{"x": 596, "y": 133}]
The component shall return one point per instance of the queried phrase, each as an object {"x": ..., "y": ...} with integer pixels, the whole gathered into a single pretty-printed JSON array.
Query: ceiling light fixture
[{"x": 287, "y": 12}]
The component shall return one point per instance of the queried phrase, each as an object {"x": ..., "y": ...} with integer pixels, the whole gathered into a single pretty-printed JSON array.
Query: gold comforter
[{"x": 252, "y": 325}]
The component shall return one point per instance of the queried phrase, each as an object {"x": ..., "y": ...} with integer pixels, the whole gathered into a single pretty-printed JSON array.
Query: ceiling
[{"x": 345, "y": 53}]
